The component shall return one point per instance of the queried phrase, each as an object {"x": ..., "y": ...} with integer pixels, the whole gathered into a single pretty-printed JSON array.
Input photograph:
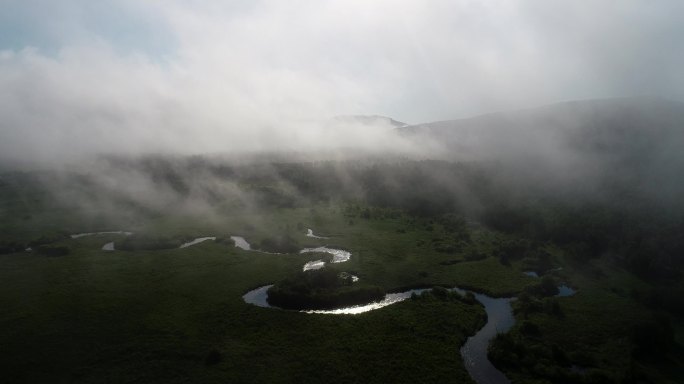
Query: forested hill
[
  {"x": 588, "y": 125},
  {"x": 370, "y": 120},
  {"x": 598, "y": 177},
  {"x": 632, "y": 144}
]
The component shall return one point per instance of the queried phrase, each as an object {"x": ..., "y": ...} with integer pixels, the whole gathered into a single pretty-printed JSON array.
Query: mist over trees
[
  {"x": 599, "y": 178},
  {"x": 198, "y": 191}
]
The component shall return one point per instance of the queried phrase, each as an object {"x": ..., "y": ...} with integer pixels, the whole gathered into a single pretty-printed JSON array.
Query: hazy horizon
[
  {"x": 79, "y": 79},
  {"x": 342, "y": 191}
]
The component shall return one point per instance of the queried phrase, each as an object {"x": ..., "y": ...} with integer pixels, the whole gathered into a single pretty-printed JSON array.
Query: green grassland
[
  {"x": 177, "y": 315},
  {"x": 153, "y": 316}
]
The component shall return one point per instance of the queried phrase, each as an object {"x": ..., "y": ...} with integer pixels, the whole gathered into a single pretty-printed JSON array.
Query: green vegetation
[
  {"x": 596, "y": 336},
  {"x": 321, "y": 289},
  {"x": 177, "y": 316},
  {"x": 147, "y": 243},
  {"x": 152, "y": 312},
  {"x": 280, "y": 244},
  {"x": 53, "y": 250}
]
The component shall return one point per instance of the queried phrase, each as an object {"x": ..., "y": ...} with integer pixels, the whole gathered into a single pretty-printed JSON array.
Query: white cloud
[{"x": 251, "y": 75}]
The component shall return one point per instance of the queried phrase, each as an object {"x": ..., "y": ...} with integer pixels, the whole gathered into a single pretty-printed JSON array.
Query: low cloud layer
[{"x": 196, "y": 77}]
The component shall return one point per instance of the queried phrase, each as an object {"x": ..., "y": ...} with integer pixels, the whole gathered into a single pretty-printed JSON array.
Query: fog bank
[{"x": 190, "y": 78}]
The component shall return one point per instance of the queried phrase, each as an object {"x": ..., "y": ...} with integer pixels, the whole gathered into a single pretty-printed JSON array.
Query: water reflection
[
  {"x": 474, "y": 352},
  {"x": 240, "y": 242},
  {"x": 197, "y": 241},
  {"x": 316, "y": 264},
  {"x": 309, "y": 233},
  {"x": 339, "y": 255},
  {"x": 390, "y": 298},
  {"x": 79, "y": 235},
  {"x": 565, "y": 291},
  {"x": 258, "y": 297}
]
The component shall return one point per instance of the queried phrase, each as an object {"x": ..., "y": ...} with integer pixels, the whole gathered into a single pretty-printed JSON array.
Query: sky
[{"x": 84, "y": 77}]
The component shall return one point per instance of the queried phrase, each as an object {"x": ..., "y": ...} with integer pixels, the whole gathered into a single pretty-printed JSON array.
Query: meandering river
[
  {"x": 500, "y": 316},
  {"x": 309, "y": 233},
  {"x": 474, "y": 352},
  {"x": 241, "y": 243},
  {"x": 197, "y": 241}
]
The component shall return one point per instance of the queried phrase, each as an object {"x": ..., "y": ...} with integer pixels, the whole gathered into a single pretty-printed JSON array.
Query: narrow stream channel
[
  {"x": 500, "y": 319},
  {"x": 474, "y": 352},
  {"x": 79, "y": 235},
  {"x": 197, "y": 241},
  {"x": 309, "y": 233},
  {"x": 241, "y": 243}
]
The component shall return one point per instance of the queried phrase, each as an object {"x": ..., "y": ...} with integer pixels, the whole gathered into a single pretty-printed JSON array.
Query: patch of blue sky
[{"x": 126, "y": 29}]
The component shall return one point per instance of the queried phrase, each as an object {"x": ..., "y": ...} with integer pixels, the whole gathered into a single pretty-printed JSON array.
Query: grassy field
[
  {"x": 157, "y": 316},
  {"x": 589, "y": 338},
  {"x": 176, "y": 315}
]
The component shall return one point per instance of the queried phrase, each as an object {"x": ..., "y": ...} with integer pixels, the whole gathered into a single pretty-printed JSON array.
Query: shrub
[
  {"x": 147, "y": 243},
  {"x": 53, "y": 250},
  {"x": 321, "y": 289},
  {"x": 213, "y": 357},
  {"x": 529, "y": 328},
  {"x": 655, "y": 336},
  {"x": 11, "y": 247},
  {"x": 546, "y": 287},
  {"x": 279, "y": 244}
]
